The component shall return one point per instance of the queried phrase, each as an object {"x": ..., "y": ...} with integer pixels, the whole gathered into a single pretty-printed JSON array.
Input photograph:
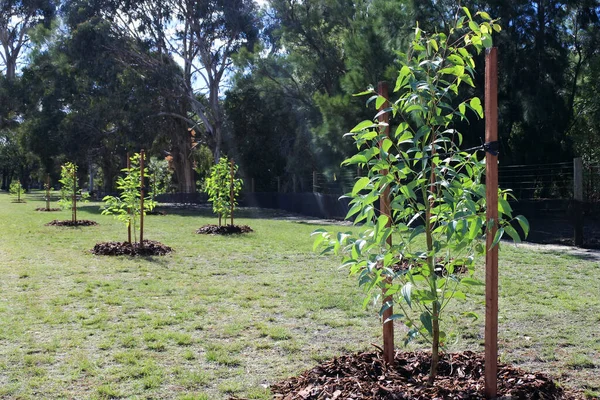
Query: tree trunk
[{"x": 182, "y": 162}]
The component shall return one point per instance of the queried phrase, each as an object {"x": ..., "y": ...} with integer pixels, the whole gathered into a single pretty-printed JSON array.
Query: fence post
[
  {"x": 294, "y": 182},
  {"x": 252, "y": 184},
  {"x": 278, "y": 184},
  {"x": 315, "y": 187},
  {"x": 578, "y": 201},
  {"x": 491, "y": 255}
]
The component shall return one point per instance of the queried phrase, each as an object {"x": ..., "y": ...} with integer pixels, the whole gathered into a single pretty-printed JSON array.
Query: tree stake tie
[{"x": 492, "y": 147}]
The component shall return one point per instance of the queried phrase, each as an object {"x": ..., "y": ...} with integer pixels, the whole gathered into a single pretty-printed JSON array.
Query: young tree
[
  {"x": 435, "y": 189},
  {"x": 16, "y": 189},
  {"x": 70, "y": 190},
  {"x": 127, "y": 207},
  {"x": 223, "y": 188}
]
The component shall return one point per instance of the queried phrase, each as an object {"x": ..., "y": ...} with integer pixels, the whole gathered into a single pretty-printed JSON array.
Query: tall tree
[{"x": 17, "y": 18}]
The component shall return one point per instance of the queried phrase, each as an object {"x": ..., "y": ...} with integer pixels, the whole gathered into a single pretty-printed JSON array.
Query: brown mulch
[
  {"x": 47, "y": 209},
  {"x": 224, "y": 229},
  {"x": 79, "y": 222},
  {"x": 460, "y": 377},
  {"x": 151, "y": 248},
  {"x": 156, "y": 212}
]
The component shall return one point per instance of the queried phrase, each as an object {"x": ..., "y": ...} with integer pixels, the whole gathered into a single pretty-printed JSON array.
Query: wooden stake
[
  {"x": 578, "y": 201},
  {"x": 491, "y": 257},
  {"x": 142, "y": 198},
  {"x": 129, "y": 209},
  {"x": 384, "y": 206},
  {"x": 74, "y": 202},
  {"x": 231, "y": 190},
  {"x": 47, "y": 192}
]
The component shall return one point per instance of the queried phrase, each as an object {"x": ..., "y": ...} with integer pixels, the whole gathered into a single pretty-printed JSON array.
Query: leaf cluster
[
  {"x": 222, "y": 187},
  {"x": 127, "y": 206},
  {"x": 436, "y": 191},
  {"x": 70, "y": 187}
]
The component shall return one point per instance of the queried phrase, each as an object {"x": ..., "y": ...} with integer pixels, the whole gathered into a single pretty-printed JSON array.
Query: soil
[
  {"x": 460, "y": 376},
  {"x": 224, "y": 229},
  {"x": 79, "y": 222},
  {"x": 47, "y": 209},
  {"x": 151, "y": 248}
]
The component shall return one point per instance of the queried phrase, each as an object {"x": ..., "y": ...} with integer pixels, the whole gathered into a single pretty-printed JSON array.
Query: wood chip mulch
[
  {"x": 460, "y": 377},
  {"x": 79, "y": 222},
  {"x": 151, "y": 248},
  {"x": 224, "y": 229},
  {"x": 47, "y": 209}
]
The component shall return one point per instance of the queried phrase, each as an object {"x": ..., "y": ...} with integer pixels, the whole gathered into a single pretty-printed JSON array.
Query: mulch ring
[
  {"x": 224, "y": 229},
  {"x": 156, "y": 212},
  {"x": 460, "y": 376},
  {"x": 79, "y": 222},
  {"x": 151, "y": 248},
  {"x": 47, "y": 209}
]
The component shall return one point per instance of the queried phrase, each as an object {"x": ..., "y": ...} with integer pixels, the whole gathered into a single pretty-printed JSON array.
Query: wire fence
[{"x": 527, "y": 182}]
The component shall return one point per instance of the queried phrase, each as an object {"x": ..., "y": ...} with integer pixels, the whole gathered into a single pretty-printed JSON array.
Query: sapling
[
  {"x": 223, "y": 188},
  {"x": 16, "y": 189},
  {"x": 127, "y": 208},
  {"x": 436, "y": 191},
  {"x": 69, "y": 190}
]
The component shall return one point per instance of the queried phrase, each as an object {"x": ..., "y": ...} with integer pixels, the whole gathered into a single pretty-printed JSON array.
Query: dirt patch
[
  {"x": 79, "y": 222},
  {"x": 47, "y": 209},
  {"x": 151, "y": 248},
  {"x": 224, "y": 229},
  {"x": 461, "y": 376}
]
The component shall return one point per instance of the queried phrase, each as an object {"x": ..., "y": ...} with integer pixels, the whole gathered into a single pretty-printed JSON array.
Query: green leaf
[
  {"x": 471, "y": 282},
  {"x": 386, "y": 144},
  {"x": 524, "y": 224},
  {"x": 484, "y": 15},
  {"x": 512, "y": 233},
  {"x": 407, "y": 293},
  {"x": 475, "y": 104},
  {"x": 426, "y": 321},
  {"x": 473, "y": 26},
  {"x": 497, "y": 238},
  {"x": 366, "y": 124},
  {"x": 467, "y": 12},
  {"x": 394, "y": 317},
  {"x": 471, "y": 314},
  {"x": 380, "y": 102},
  {"x": 360, "y": 185},
  {"x": 504, "y": 207},
  {"x": 368, "y": 91}
]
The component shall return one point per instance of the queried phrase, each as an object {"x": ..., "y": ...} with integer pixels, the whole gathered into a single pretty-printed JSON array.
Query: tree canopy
[{"x": 271, "y": 85}]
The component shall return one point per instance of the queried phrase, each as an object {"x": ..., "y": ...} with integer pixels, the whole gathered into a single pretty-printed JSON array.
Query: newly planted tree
[
  {"x": 131, "y": 205},
  {"x": 70, "y": 190},
  {"x": 16, "y": 189},
  {"x": 435, "y": 190},
  {"x": 223, "y": 188}
]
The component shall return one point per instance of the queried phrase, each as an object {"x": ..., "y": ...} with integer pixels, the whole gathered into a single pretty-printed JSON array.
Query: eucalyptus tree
[{"x": 17, "y": 18}]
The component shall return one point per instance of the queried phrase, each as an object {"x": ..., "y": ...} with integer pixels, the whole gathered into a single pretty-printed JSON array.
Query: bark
[{"x": 181, "y": 152}]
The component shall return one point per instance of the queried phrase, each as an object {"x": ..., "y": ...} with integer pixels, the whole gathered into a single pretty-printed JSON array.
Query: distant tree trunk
[{"x": 182, "y": 161}]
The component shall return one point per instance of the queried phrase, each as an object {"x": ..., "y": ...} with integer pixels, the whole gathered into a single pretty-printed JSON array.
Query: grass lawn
[{"x": 227, "y": 316}]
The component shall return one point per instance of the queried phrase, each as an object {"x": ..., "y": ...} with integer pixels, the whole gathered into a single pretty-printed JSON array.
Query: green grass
[{"x": 228, "y": 316}]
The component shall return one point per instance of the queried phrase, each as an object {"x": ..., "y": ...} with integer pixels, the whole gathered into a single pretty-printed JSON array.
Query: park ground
[{"x": 227, "y": 316}]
